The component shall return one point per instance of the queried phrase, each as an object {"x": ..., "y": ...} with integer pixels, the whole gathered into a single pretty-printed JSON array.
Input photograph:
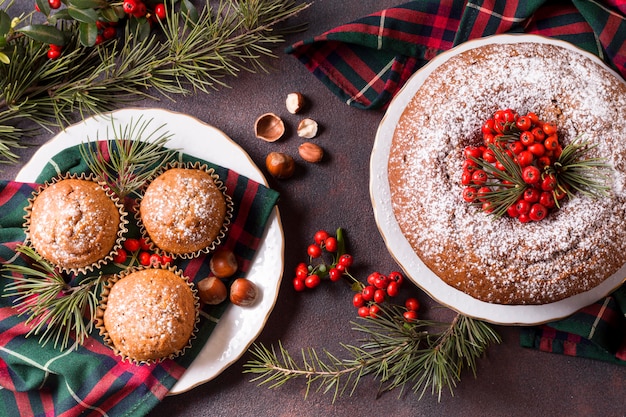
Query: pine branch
[
  {"x": 393, "y": 351},
  {"x": 193, "y": 53}
]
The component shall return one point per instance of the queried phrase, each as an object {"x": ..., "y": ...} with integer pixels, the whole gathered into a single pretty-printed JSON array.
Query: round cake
[
  {"x": 183, "y": 211},
  {"x": 149, "y": 314},
  {"x": 501, "y": 260},
  {"x": 73, "y": 223}
]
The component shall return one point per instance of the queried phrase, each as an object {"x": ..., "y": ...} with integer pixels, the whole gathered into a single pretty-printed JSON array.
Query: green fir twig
[
  {"x": 57, "y": 311},
  {"x": 395, "y": 352}
]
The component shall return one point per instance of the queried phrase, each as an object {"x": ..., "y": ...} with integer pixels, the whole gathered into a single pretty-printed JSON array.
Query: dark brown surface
[{"x": 510, "y": 380}]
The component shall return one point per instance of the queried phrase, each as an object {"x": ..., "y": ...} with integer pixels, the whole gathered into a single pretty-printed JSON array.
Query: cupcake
[
  {"x": 185, "y": 211},
  {"x": 147, "y": 315},
  {"x": 75, "y": 223}
]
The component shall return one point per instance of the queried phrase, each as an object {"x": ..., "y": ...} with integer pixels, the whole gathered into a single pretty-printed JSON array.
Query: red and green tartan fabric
[
  {"x": 40, "y": 380},
  {"x": 367, "y": 61}
]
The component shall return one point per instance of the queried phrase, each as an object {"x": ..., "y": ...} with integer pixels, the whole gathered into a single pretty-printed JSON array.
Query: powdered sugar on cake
[{"x": 501, "y": 260}]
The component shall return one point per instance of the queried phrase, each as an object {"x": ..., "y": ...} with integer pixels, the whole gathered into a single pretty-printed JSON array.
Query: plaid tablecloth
[
  {"x": 92, "y": 381},
  {"x": 367, "y": 61}
]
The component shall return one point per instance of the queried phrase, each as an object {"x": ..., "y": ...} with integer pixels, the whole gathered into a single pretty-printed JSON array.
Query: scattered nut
[
  {"x": 243, "y": 292},
  {"x": 294, "y": 102},
  {"x": 311, "y": 152},
  {"x": 269, "y": 127},
  {"x": 223, "y": 263},
  {"x": 280, "y": 165},
  {"x": 212, "y": 290},
  {"x": 307, "y": 128}
]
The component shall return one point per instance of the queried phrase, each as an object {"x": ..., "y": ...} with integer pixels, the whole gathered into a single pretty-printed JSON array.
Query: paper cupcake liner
[
  {"x": 121, "y": 232},
  {"x": 225, "y": 225},
  {"x": 102, "y": 306}
]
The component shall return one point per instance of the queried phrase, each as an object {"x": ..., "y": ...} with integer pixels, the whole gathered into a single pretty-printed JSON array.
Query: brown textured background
[{"x": 510, "y": 381}]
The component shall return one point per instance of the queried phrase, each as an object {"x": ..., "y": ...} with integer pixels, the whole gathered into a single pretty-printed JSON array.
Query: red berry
[
  {"x": 53, "y": 54},
  {"x": 298, "y": 284},
  {"x": 393, "y": 288},
  {"x": 129, "y": 6},
  {"x": 371, "y": 278},
  {"x": 334, "y": 274},
  {"x": 482, "y": 193},
  {"x": 320, "y": 236},
  {"x": 368, "y": 293},
  {"x": 512, "y": 211},
  {"x": 381, "y": 282},
  {"x": 314, "y": 251},
  {"x": 144, "y": 244},
  {"x": 522, "y": 207},
  {"x": 54, "y": 4},
  {"x": 489, "y": 156},
  {"x": 330, "y": 244},
  {"x": 410, "y": 315},
  {"x": 466, "y": 178},
  {"x": 473, "y": 152},
  {"x": 549, "y": 183},
  {"x": 531, "y": 174},
  {"x": 479, "y": 177},
  {"x": 312, "y": 281},
  {"x": 379, "y": 296},
  {"x": 543, "y": 162},
  {"x": 160, "y": 11},
  {"x": 155, "y": 259},
  {"x": 109, "y": 32},
  {"x": 364, "y": 311},
  {"x": 488, "y": 127},
  {"x": 524, "y": 123},
  {"x": 396, "y": 276},
  {"x": 120, "y": 256},
  {"x": 132, "y": 245},
  {"x": 140, "y": 10},
  {"x": 547, "y": 199},
  {"x": 516, "y": 147},
  {"x": 469, "y": 194},
  {"x": 358, "y": 300},
  {"x": 532, "y": 195},
  {"x": 551, "y": 142},
  {"x": 166, "y": 259},
  {"x": 412, "y": 304},
  {"x": 537, "y": 149},
  {"x": 527, "y": 138},
  {"x": 345, "y": 260},
  {"x": 374, "y": 310},
  {"x": 549, "y": 129},
  {"x": 523, "y": 218},
  {"x": 539, "y": 134},
  {"x": 537, "y": 212},
  {"x": 144, "y": 258}
]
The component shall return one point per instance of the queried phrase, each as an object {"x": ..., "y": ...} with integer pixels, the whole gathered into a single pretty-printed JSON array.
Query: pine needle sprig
[
  {"x": 194, "y": 52},
  {"x": 132, "y": 156},
  {"x": 57, "y": 311},
  {"x": 426, "y": 355},
  {"x": 578, "y": 173}
]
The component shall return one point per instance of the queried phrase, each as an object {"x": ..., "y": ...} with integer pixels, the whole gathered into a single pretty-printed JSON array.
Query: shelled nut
[
  {"x": 294, "y": 102},
  {"x": 243, "y": 292},
  {"x": 269, "y": 127},
  {"x": 212, "y": 290},
  {"x": 280, "y": 165},
  {"x": 307, "y": 128},
  {"x": 311, "y": 152}
]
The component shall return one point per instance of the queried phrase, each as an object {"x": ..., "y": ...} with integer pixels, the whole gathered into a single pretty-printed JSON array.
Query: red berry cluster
[
  {"x": 308, "y": 276},
  {"x": 140, "y": 252},
  {"x": 378, "y": 289},
  {"x": 137, "y": 8},
  {"x": 368, "y": 298},
  {"x": 529, "y": 143}
]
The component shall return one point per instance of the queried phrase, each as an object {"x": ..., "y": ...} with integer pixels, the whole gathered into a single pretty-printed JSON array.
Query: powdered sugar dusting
[{"x": 502, "y": 260}]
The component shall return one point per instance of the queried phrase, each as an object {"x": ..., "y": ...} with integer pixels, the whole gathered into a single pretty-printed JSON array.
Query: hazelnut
[
  {"x": 280, "y": 165},
  {"x": 311, "y": 152},
  {"x": 243, "y": 292},
  {"x": 294, "y": 102},
  {"x": 212, "y": 290},
  {"x": 269, "y": 127},
  {"x": 223, "y": 263},
  {"x": 307, "y": 128}
]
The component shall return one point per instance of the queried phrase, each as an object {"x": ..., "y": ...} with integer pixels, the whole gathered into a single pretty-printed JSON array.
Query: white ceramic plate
[
  {"x": 239, "y": 326},
  {"x": 402, "y": 251}
]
